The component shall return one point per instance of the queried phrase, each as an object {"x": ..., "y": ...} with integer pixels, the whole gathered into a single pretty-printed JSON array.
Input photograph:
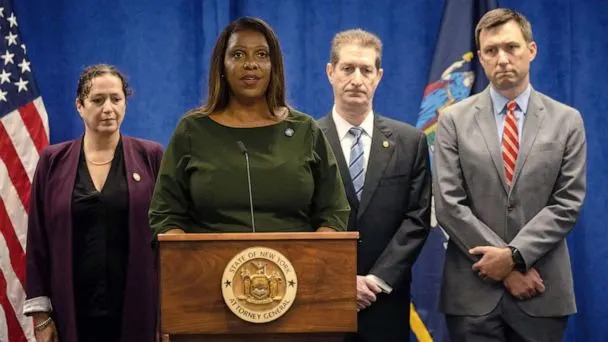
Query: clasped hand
[
  {"x": 367, "y": 290},
  {"x": 524, "y": 285},
  {"x": 497, "y": 264}
]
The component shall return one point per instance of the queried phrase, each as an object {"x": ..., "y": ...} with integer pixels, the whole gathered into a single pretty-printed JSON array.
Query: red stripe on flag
[
  {"x": 16, "y": 253},
  {"x": 429, "y": 124},
  {"x": 15, "y": 331},
  {"x": 16, "y": 171},
  {"x": 434, "y": 86},
  {"x": 34, "y": 125}
]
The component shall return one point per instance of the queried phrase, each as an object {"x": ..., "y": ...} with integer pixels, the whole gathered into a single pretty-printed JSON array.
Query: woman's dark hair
[
  {"x": 219, "y": 89},
  {"x": 96, "y": 70}
]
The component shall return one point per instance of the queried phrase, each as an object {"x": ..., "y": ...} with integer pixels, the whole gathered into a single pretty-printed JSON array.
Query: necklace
[{"x": 100, "y": 163}]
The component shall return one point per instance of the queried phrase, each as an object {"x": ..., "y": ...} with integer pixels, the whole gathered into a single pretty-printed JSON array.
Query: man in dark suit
[
  {"x": 385, "y": 168},
  {"x": 509, "y": 183}
]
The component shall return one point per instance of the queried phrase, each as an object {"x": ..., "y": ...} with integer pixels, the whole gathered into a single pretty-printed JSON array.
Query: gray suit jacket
[{"x": 476, "y": 208}]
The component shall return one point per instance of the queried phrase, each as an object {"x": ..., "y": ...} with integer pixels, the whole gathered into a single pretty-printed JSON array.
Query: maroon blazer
[{"x": 49, "y": 240}]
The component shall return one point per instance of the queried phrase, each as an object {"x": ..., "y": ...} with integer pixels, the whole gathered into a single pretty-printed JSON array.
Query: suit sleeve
[
  {"x": 329, "y": 204},
  {"x": 551, "y": 225},
  {"x": 170, "y": 204},
  {"x": 405, "y": 246},
  {"x": 451, "y": 199},
  {"x": 38, "y": 256}
]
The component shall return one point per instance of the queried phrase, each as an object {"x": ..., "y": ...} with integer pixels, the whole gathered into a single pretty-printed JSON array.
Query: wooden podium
[{"x": 192, "y": 307}]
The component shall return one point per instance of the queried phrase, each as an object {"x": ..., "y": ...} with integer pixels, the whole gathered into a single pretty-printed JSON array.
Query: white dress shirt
[{"x": 347, "y": 140}]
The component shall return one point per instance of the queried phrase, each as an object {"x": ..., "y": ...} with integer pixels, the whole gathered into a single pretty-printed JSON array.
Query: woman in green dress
[{"x": 203, "y": 184}]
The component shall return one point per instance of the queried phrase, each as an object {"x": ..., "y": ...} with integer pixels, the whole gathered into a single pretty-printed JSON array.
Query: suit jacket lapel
[
  {"x": 67, "y": 174},
  {"x": 329, "y": 128},
  {"x": 487, "y": 124},
  {"x": 131, "y": 167},
  {"x": 532, "y": 123},
  {"x": 380, "y": 153}
]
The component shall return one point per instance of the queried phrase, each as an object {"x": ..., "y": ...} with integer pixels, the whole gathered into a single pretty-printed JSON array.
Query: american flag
[{"x": 24, "y": 132}]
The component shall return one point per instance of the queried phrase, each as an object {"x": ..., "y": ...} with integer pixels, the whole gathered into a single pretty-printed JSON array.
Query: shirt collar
[
  {"x": 499, "y": 101},
  {"x": 342, "y": 126}
]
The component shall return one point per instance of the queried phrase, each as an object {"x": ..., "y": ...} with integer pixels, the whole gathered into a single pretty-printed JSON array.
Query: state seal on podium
[{"x": 259, "y": 284}]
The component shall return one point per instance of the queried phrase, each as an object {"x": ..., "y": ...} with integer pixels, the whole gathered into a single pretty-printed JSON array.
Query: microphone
[{"x": 244, "y": 151}]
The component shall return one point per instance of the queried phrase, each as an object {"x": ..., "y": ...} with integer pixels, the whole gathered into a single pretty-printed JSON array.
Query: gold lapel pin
[
  {"x": 385, "y": 143},
  {"x": 136, "y": 176}
]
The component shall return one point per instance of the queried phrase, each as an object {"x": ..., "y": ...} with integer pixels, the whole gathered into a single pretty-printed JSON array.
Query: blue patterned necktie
[{"x": 356, "y": 165}]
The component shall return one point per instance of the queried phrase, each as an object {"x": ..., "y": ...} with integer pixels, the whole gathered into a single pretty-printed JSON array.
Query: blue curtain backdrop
[{"x": 164, "y": 47}]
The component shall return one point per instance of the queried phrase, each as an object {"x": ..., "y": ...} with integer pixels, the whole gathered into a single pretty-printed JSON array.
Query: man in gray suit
[
  {"x": 386, "y": 172},
  {"x": 509, "y": 182}
]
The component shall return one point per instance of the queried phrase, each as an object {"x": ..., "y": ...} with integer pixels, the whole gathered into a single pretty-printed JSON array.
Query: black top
[{"x": 100, "y": 240}]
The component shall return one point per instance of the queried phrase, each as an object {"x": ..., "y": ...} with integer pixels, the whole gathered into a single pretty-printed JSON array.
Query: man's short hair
[
  {"x": 358, "y": 37},
  {"x": 501, "y": 16}
]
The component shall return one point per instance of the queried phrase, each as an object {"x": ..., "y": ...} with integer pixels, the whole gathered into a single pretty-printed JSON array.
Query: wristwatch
[{"x": 518, "y": 260}]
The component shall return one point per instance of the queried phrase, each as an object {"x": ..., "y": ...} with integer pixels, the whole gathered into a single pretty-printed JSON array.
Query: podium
[{"x": 307, "y": 280}]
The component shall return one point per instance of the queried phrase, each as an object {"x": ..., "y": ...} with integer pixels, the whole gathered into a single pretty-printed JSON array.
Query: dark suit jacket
[
  {"x": 393, "y": 219},
  {"x": 49, "y": 241}
]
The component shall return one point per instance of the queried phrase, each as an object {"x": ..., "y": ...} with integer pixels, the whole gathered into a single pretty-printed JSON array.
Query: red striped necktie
[{"x": 510, "y": 142}]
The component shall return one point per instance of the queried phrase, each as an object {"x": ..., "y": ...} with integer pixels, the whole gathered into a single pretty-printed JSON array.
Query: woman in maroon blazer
[{"x": 91, "y": 272}]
